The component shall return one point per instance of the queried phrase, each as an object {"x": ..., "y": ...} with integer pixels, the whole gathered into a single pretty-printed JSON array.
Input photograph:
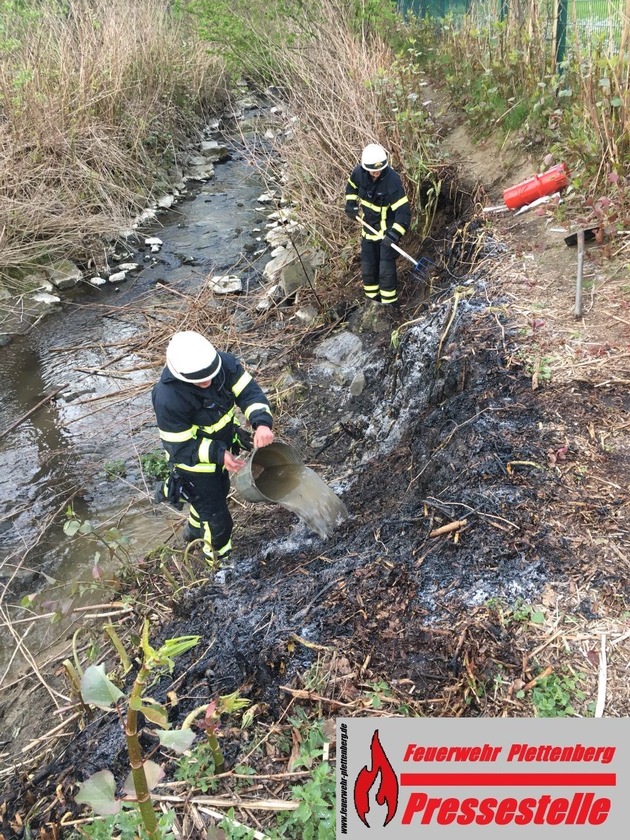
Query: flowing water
[
  {"x": 299, "y": 489},
  {"x": 55, "y": 457}
]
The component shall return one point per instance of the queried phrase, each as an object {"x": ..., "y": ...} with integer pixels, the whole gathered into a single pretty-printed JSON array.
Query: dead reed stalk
[{"x": 343, "y": 89}]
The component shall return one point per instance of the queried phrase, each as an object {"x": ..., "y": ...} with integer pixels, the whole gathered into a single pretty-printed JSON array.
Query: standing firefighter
[
  {"x": 194, "y": 403},
  {"x": 376, "y": 189}
]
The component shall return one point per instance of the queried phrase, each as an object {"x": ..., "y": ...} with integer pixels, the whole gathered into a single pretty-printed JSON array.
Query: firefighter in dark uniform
[
  {"x": 194, "y": 403},
  {"x": 375, "y": 189}
]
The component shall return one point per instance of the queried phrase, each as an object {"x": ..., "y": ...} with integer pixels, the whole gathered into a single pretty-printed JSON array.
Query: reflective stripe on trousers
[
  {"x": 378, "y": 271},
  {"x": 209, "y": 515}
]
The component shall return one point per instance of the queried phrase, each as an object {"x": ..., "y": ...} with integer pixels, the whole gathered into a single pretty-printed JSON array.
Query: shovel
[{"x": 421, "y": 267}]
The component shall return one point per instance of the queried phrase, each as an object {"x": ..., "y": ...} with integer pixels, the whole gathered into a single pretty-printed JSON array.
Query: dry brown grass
[
  {"x": 343, "y": 90},
  {"x": 90, "y": 103}
]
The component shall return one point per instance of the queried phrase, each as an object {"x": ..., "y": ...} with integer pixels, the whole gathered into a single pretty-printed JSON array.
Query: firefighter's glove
[
  {"x": 173, "y": 491},
  {"x": 392, "y": 235},
  {"x": 244, "y": 439},
  {"x": 352, "y": 213}
]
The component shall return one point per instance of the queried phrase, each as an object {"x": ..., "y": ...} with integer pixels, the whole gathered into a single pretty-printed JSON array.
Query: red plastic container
[{"x": 527, "y": 191}]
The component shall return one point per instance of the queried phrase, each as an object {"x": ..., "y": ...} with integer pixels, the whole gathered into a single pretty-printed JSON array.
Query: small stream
[{"x": 59, "y": 452}]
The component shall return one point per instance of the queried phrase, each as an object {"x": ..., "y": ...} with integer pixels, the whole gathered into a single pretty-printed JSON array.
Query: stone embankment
[{"x": 292, "y": 264}]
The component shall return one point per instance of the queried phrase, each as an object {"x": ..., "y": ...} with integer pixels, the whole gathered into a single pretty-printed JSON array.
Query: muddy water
[
  {"x": 300, "y": 490},
  {"x": 56, "y": 456}
]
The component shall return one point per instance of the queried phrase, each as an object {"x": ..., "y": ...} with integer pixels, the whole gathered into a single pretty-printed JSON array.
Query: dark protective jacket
[
  {"x": 385, "y": 205},
  {"x": 197, "y": 425}
]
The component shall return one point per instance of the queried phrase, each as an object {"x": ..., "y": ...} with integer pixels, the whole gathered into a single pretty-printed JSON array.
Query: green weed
[
  {"x": 115, "y": 468},
  {"x": 580, "y": 473},
  {"x": 380, "y": 691},
  {"x": 312, "y": 739},
  {"x": 315, "y": 816},
  {"x": 519, "y": 612},
  {"x": 526, "y": 613},
  {"x": 154, "y": 465},
  {"x": 197, "y": 769},
  {"x": 554, "y": 695},
  {"x": 125, "y": 825}
]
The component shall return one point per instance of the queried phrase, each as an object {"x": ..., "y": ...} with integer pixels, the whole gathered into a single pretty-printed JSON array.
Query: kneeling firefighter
[{"x": 194, "y": 403}]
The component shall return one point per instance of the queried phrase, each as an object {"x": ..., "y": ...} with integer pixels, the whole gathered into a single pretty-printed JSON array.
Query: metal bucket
[{"x": 276, "y": 474}]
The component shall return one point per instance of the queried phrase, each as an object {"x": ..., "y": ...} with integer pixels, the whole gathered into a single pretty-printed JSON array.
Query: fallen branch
[
  {"x": 451, "y": 318},
  {"x": 311, "y": 645},
  {"x": 443, "y": 504},
  {"x": 258, "y": 835},
  {"x": 511, "y": 464},
  {"x": 548, "y": 670},
  {"x": 446, "y": 529},
  {"x": 232, "y": 802},
  {"x": 601, "y": 681},
  {"x": 301, "y": 694},
  {"x": 33, "y": 410}
]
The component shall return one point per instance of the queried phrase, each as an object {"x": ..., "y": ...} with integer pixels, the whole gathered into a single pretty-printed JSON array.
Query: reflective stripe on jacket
[
  {"x": 385, "y": 205},
  {"x": 197, "y": 425}
]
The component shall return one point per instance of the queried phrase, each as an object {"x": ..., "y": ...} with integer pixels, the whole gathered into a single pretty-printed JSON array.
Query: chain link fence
[{"x": 595, "y": 23}]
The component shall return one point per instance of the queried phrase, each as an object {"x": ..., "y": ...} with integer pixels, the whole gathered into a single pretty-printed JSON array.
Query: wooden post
[
  {"x": 580, "y": 270},
  {"x": 554, "y": 34}
]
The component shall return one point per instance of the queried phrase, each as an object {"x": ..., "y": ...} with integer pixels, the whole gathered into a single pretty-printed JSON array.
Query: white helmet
[
  {"x": 374, "y": 158},
  {"x": 191, "y": 358}
]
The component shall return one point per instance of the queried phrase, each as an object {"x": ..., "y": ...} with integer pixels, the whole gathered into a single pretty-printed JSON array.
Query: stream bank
[{"x": 81, "y": 449}]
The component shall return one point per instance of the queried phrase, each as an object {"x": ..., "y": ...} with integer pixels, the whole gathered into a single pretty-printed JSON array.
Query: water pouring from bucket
[{"x": 277, "y": 475}]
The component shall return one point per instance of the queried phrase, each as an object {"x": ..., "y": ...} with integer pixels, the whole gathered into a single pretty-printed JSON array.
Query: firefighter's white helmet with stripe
[
  {"x": 192, "y": 358},
  {"x": 374, "y": 158}
]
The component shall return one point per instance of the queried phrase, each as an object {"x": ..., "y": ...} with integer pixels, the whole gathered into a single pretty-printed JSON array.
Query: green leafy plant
[
  {"x": 315, "y": 817},
  {"x": 519, "y": 612},
  {"x": 526, "y": 613},
  {"x": 379, "y": 691},
  {"x": 197, "y": 769},
  {"x": 126, "y": 825},
  {"x": 115, "y": 468},
  {"x": 154, "y": 465},
  {"x": 311, "y": 734},
  {"x": 111, "y": 539},
  {"x": 234, "y": 830},
  {"x": 98, "y": 690},
  {"x": 553, "y": 696}
]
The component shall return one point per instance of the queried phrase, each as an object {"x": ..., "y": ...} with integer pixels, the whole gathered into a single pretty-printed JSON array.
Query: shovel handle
[{"x": 393, "y": 244}]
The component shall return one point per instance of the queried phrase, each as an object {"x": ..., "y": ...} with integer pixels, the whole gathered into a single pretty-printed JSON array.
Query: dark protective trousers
[
  {"x": 209, "y": 517},
  {"x": 378, "y": 271}
]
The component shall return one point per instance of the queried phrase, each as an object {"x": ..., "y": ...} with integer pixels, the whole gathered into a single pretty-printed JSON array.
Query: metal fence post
[
  {"x": 503, "y": 11},
  {"x": 580, "y": 270},
  {"x": 561, "y": 32}
]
